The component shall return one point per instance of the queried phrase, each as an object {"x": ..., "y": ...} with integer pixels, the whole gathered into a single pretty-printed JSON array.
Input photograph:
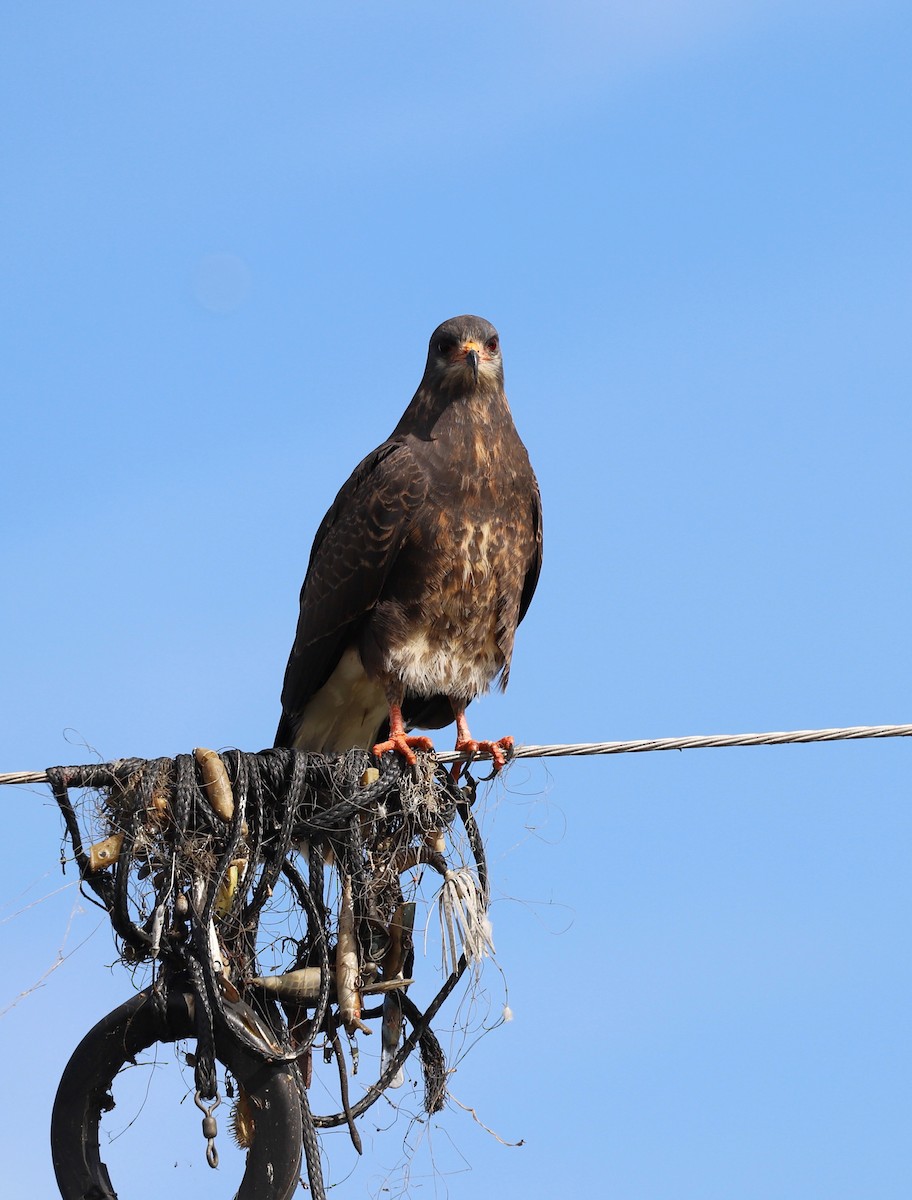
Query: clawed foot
[
  {"x": 405, "y": 745},
  {"x": 499, "y": 752}
]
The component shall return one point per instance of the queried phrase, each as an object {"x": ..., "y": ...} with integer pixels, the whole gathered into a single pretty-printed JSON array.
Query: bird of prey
[{"x": 422, "y": 568}]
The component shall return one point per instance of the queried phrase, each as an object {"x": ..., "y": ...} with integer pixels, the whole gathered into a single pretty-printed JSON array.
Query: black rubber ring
[{"x": 273, "y": 1161}]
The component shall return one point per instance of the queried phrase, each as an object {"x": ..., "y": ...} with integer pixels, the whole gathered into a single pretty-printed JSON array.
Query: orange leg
[
  {"x": 400, "y": 741},
  {"x": 464, "y": 741}
]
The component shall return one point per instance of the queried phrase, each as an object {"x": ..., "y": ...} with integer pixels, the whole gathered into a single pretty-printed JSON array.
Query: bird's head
[{"x": 465, "y": 352}]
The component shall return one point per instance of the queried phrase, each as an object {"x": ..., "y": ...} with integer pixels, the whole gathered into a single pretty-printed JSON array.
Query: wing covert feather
[
  {"x": 534, "y": 569},
  {"x": 353, "y": 553}
]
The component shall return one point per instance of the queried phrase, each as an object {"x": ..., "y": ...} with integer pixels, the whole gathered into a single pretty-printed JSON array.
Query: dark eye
[
  {"x": 491, "y": 345},
  {"x": 445, "y": 345}
]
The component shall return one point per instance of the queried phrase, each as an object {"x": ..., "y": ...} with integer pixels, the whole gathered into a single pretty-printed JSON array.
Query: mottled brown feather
[{"x": 428, "y": 558}]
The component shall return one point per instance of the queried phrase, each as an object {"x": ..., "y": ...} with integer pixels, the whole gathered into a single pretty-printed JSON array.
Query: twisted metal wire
[
  {"x": 694, "y": 742},
  {"x": 581, "y": 749}
]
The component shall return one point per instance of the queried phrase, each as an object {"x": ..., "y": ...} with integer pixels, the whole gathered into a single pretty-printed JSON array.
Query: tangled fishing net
[{"x": 280, "y": 889}]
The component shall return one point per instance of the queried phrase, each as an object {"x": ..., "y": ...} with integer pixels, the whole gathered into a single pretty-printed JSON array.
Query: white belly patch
[
  {"x": 443, "y": 668},
  {"x": 453, "y": 650}
]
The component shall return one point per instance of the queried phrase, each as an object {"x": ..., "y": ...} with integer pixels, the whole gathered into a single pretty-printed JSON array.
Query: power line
[
  {"x": 641, "y": 746},
  {"x": 700, "y": 742}
]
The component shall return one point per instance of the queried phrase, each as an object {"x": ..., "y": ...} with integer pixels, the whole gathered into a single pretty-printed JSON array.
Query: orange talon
[
  {"x": 399, "y": 740},
  {"x": 465, "y": 743},
  {"x": 497, "y": 751},
  {"x": 404, "y": 745},
  {"x": 500, "y": 751}
]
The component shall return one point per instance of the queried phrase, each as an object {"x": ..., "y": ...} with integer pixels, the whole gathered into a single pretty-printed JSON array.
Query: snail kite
[{"x": 422, "y": 569}]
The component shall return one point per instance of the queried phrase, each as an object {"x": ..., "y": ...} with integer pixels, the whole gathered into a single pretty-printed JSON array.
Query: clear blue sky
[{"x": 228, "y": 230}]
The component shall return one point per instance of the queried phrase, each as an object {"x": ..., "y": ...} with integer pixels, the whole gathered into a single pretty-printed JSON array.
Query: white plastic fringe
[{"x": 465, "y": 928}]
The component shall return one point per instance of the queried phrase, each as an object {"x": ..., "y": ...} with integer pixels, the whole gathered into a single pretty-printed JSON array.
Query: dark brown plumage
[{"x": 423, "y": 567}]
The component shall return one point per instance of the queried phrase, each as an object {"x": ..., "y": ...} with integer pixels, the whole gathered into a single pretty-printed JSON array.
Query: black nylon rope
[{"x": 179, "y": 854}]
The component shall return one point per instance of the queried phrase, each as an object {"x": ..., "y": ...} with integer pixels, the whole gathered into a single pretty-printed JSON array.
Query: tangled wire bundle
[{"x": 196, "y": 852}]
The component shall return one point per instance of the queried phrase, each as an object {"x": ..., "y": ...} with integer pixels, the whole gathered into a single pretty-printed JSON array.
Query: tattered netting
[{"x": 280, "y": 890}]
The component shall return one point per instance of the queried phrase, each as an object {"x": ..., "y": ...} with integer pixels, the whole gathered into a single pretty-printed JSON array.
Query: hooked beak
[{"x": 472, "y": 360}]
